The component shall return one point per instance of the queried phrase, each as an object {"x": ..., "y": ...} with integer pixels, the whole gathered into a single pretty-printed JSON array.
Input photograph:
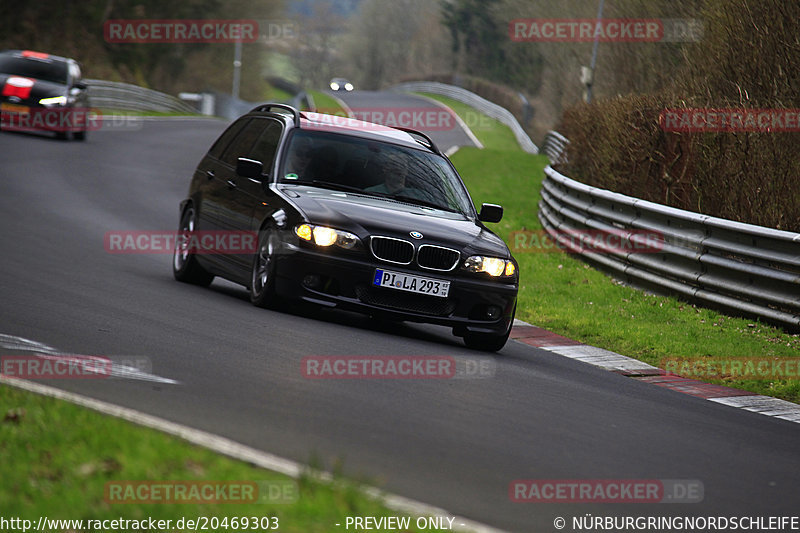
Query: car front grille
[
  {"x": 403, "y": 301},
  {"x": 392, "y": 250},
  {"x": 437, "y": 257},
  {"x": 402, "y": 252}
]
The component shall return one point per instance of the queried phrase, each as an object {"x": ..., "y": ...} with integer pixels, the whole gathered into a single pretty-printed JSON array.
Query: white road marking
[
  {"x": 44, "y": 351},
  {"x": 459, "y": 120},
  {"x": 602, "y": 358},
  {"x": 11, "y": 342},
  {"x": 450, "y": 152},
  {"x": 343, "y": 105},
  {"x": 765, "y": 405}
]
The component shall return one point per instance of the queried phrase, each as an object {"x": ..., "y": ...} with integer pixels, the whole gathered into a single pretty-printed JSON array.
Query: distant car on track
[
  {"x": 41, "y": 91},
  {"x": 352, "y": 215},
  {"x": 341, "y": 84}
]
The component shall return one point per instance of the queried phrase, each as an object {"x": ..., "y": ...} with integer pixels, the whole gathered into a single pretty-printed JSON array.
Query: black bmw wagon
[{"x": 352, "y": 215}]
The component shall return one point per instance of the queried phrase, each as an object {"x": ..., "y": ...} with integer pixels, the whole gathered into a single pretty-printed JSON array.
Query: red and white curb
[{"x": 627, "y": 366}]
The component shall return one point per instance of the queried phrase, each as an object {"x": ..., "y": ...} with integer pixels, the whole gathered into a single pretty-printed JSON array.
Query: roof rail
[
  {"x": 268, "y": 107},
  {"x": 421, "y": 138}
]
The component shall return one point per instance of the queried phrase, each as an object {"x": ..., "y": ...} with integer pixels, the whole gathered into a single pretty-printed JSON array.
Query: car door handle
[
  {"x": 231, "y": 184},
  {"x": 210, "y": 174}
]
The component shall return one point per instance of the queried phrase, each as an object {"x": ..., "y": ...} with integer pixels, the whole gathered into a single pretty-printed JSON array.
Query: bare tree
[
  {"x": 391, "y": 39},
  {"x": 315, "y": 53}
]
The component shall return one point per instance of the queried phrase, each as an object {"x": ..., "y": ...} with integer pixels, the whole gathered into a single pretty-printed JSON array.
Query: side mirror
[
  {"x": 490, "y": 213},
  {"x": 80, "y": 85},
  {"x": 249, "y": 168}
]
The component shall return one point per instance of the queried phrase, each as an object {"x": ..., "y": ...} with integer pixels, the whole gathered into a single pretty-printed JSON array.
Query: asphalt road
[{"x": 457, "y": 444}]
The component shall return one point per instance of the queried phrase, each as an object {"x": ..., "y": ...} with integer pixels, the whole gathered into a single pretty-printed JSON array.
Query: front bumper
[
  {"x": 30, "y": 116},
  {"x": 345, "y": 281}
]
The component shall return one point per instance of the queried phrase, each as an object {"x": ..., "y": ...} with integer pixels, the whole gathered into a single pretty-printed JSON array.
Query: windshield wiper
[
  {"x": 425, "y": 203},
  {"x": 331, "y": 185},
  {"x": 414, "y": 200}
]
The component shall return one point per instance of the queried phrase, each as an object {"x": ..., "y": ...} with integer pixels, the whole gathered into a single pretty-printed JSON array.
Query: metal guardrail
[
  {"x": 740, "y": 268},
  {"x": 229, "y": 107},
  {"x": 555, "y": 147},
  {"x": 124, "y": 96},
  {"x": 481, "y": 104},
  {"x": 232, "y": 108}
]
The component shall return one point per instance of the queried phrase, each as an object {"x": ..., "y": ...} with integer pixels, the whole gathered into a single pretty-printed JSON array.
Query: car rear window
[{"x": 48, "y": 70}]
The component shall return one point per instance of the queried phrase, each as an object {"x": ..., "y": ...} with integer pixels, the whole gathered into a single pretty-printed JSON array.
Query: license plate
[
  {"x": 13, "y": 108},
  {"x": 409, "y": 283}
]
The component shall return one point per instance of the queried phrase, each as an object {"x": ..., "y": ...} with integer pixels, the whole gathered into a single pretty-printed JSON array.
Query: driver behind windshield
[
  {"x": 394, "y": 170},
  {"x": 299, "y": 158}
]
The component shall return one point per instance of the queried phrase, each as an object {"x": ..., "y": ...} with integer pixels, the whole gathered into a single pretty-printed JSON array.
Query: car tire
[
  {"x": 79, "y": 135},
  {"x": 486, "y": 342},
  {"x": 184, "y": 263},
  {"x": 262, "y": 274}
]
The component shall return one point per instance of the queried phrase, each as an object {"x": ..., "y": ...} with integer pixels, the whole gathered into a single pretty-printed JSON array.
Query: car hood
[
  {"x": 367, "y": 215},
  {"x": 40, "y": 89}
]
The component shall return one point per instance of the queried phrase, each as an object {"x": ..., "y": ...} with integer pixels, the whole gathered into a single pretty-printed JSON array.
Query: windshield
[
  {"x": 374, "y": 168},
  {"x": 53, "y": 71}
]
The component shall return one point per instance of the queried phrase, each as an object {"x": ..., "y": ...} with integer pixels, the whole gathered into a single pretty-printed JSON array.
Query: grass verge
[
  {"x": 271, "y": 93},
  {"x": 565, "y": 295},
  {"x": 325, "y": 103},
  {"x": 58, "y": 459},
  {"x": 492, "y": 134}
]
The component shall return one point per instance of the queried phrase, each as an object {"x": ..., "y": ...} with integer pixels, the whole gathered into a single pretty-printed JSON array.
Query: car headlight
[
  {"x": 334, "y": 86},
  {"x": 325, "y": 236},
  {"x": 348, "y": 86},
  {"x": 53, "y": 101},
  {"x": 494, "y": 266}
]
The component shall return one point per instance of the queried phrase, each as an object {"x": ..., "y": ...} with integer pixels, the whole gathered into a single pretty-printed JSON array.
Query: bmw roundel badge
[{"x": 416, "y": 234}]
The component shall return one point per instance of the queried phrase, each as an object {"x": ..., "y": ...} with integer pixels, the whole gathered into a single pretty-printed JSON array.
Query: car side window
[
  {"x": 244, "y": 141},
  {"x": 267, "y": 143},
  {"x": 227, "y": 136}
]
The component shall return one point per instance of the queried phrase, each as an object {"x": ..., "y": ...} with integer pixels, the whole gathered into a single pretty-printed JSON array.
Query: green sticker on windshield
[{"x": 291, "y": 176}]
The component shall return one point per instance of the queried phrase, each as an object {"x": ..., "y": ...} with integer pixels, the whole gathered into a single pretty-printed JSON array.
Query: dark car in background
[
  {"x": 341, "y": 84},
  {"x": 42, "y": 92},
  {"x": 352, "y": 215}
]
